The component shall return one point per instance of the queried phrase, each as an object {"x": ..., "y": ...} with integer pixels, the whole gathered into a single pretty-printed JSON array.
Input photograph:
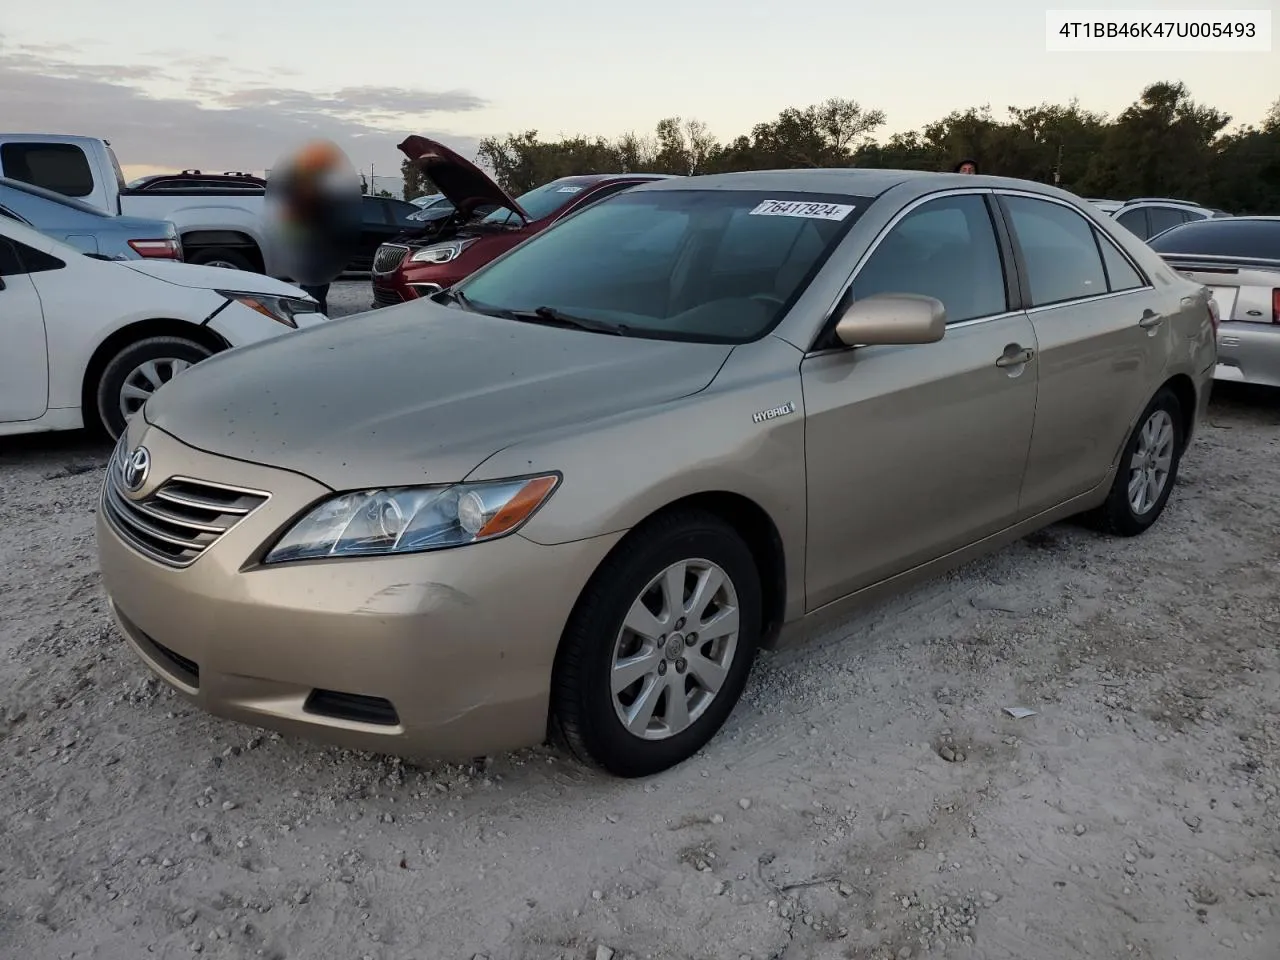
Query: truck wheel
[
  {"x": 138, "y": 371},
  {"x": 221, "y": 257}
]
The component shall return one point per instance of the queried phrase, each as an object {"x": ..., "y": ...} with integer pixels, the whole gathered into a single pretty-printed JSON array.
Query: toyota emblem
[{"x": 135, "y": 469}]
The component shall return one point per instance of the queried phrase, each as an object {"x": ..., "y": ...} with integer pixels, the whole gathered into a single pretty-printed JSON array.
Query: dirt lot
[{"x": 868, "y": 799}]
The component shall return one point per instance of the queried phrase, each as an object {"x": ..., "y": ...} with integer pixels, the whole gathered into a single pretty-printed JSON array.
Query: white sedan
[{"x": 86, "y": 341}]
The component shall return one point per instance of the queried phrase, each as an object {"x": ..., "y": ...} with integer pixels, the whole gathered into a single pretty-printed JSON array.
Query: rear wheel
[
  {"x": 220, "y": 257},
  {"x": 658, "y": 651},
  {"x": 135, "y": 373},
  {"x": 1148, "y": 469}
]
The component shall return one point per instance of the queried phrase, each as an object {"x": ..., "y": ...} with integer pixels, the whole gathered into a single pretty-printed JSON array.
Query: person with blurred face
[
  {"x": 967, "y": 166},
  {"x": 315, "y": 191}
]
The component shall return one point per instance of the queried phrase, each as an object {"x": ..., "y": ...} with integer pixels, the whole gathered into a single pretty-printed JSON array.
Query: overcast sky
[{"x": 234, "y": 84}]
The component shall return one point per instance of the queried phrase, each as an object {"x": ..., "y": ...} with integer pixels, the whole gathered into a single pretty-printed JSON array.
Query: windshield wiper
[
  {"x": 560, "y": 318},
  {"x": 458, "y": 297}
]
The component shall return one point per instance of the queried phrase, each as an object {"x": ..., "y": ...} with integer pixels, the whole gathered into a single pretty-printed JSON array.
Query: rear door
[
  {"x": 915, "y": 451},
  {"x": 24, "y": 357},
  {"x": 1103, "y": 338}
]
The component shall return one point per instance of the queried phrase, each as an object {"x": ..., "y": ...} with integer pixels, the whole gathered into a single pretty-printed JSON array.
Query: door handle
[
  {"x": 1016, "y": 359},
  {"x": 1150, "y": 319}
]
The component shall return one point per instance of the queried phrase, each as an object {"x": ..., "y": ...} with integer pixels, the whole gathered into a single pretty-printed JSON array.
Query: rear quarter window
[
  {"x": 1224, "y": 237},
  {"x": 61, "y": 167}
]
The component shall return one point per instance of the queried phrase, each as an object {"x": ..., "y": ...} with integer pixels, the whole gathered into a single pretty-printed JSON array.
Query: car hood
[
  {"x": 461, "y": 181},
  {"x": 418, "y": 393},
  {"x": 212, "y": 278}
]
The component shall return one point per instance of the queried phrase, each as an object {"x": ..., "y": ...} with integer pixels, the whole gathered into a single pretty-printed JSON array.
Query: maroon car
[{"x": 449, "y": 250}]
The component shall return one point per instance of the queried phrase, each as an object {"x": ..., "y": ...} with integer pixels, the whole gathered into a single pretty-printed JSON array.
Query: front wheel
[
  {"x": 1148, "y": 469},
  {"x": 138, "y": 371},
  {"x": 658, "y": 650}
]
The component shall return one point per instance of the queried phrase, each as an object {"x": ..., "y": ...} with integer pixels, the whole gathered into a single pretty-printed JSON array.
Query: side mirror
[{"x": 892, "y": 319}]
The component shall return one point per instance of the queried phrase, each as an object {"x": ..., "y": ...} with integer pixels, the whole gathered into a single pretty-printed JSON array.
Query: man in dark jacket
[{"x": 966, "y": 166}]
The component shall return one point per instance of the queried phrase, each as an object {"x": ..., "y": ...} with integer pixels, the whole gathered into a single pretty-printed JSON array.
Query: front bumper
[
  {"x": 443, "y": 655},
  {"x": 406, "y": 284}
]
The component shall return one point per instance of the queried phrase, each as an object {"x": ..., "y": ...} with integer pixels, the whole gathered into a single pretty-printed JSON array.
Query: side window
[
  {"x": 1135, "y": 221},
  {"x": 944, "y": 249},
  {"x": 1164, "y": 218},
  {"x": 1190, "y": 216},
  {"x": 61, "y": 167},
  {"x": 1120, "y": 273},
  {"x": 1062, "y": 258},
  {"x": 17, "y": 258},
  {"x": 375, "y": 211},
  {"x": 10, "y": 265}
]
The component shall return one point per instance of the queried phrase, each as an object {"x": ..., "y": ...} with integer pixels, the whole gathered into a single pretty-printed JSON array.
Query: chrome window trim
[
  {"x": 893, "y": 222},
  {"x": 975, "y": 321},
  {"x": 958, "y": 325},
  {"x": 1032, "y": 195},
  {"x": 1109, "y": 295},
  {"x": 885, "y": 231}
]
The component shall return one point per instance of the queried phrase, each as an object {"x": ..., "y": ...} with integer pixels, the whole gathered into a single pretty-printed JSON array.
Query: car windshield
[
  {"x": 542, "y": 201},
  {"x": 1223, "y": 237},
  {"x": 713, "y": 266}
]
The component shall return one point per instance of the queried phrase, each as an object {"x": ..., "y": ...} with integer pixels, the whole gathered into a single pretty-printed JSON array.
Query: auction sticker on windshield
[
  {"x": 801, "y": 208},
  {"x": 569, "y": 190}
]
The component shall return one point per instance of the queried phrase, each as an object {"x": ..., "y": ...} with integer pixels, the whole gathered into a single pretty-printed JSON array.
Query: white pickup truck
[{"x": 219, "y": 218}]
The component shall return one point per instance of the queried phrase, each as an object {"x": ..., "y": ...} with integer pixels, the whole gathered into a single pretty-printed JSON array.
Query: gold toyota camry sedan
[{"x": 574, "y": 494}]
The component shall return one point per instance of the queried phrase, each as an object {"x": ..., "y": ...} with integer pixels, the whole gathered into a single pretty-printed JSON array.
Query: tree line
[{"x": 1164, "y": 145}]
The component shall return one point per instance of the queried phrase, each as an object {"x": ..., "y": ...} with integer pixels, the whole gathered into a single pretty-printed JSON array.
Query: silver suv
[{"x": 1147, "y": 217}]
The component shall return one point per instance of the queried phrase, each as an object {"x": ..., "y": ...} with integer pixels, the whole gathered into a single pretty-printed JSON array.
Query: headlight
[
  {"x": 280, "y": 309},
  {"x": 412, "y": 519},
  {"x": 441, "y": 252}
]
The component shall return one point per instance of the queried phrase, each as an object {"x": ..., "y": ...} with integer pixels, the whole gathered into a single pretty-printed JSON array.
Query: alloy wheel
[{"x": 675, "y": 649}]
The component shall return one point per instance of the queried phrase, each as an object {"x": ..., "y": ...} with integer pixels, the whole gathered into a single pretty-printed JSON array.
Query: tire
[
  {"x": 1119, "y": 515},
  {"x": 137, "y": 366},
  {"x": 222, "y": 257},
  {"x": 586, "y": 711}
]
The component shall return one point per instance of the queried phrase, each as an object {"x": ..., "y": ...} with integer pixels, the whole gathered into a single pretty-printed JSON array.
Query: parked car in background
[
  {"x": 431, "y": 200},
  {"x": 578, "y": 490},
  {"x": 1148, "y": 217},
  {"x": 1238, "y": 259},
  {"x": 86, "y": 341},
  {"x": 412, "y": 267},
  {"x": 383, "y": 218},
  {"x": 87, "y": 228},
  {"x": 219, "y": 218}
]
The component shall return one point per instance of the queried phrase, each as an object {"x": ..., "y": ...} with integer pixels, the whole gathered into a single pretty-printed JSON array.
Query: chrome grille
[
  {"x": 388, "y": 257},
  {"x": 180, "y": 520}
]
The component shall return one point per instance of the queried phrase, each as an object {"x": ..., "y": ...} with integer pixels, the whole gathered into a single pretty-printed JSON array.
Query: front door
[
  {"x": 1100, "y": 333},
  {"x": 915, "y": 451},
  {"x": 24, "y": 361}
]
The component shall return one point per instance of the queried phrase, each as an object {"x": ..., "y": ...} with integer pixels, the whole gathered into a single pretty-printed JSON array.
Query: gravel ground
[
  {"x": 350, "y": 296},
  {"x": 868, "y": 799}
]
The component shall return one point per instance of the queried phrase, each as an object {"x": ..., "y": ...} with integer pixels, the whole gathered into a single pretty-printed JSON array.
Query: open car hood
[{"x": 461, "y": 181}]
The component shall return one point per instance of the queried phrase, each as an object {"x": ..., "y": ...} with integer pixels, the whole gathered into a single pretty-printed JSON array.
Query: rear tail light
[
  {"x": 1275, "y": 305},
  {"x": 157, "y": 249}
]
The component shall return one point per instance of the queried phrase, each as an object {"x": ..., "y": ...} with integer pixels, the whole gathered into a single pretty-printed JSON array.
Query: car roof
[
  {"x": 855, "y": 182},
  {"x": 587, "y": 179}
]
